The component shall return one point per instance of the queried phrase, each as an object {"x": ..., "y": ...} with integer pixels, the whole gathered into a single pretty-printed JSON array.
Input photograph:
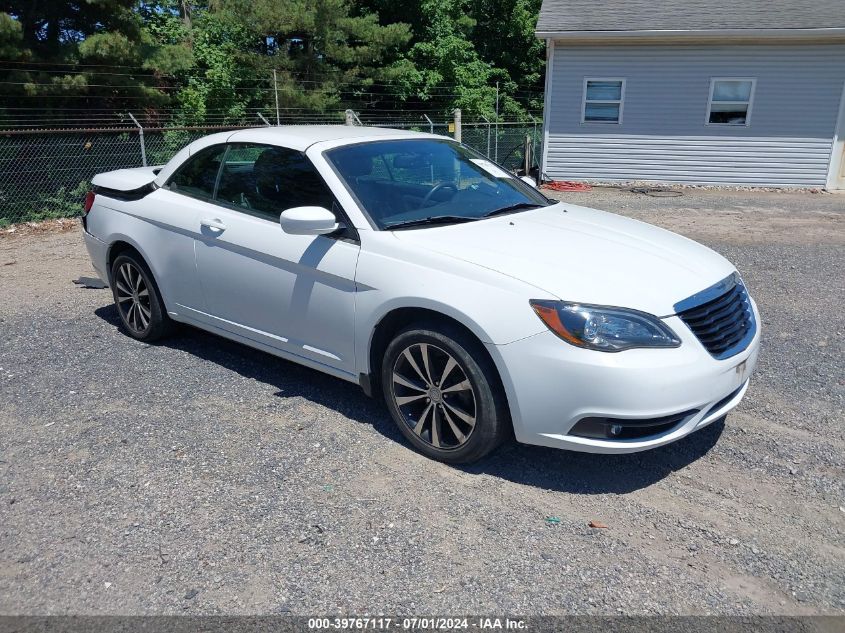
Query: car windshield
[{"x": 416, "y": 182}]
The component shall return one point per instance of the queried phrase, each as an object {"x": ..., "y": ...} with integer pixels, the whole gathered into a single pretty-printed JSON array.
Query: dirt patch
[
  {"x": 58, "y": 225},
  {"x": 731, "y": 216}
]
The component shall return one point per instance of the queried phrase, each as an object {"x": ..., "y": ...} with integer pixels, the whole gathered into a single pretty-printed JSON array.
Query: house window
[
  {"x": 602, "y": 100},
  {"x": 730, "y": 101}
]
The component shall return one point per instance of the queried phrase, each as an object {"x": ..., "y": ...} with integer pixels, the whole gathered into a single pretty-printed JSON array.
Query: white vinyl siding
[{"x": 666, "y": 136}]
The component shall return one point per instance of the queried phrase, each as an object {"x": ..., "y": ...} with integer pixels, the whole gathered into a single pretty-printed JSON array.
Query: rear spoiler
[
  {"x": 126, "y": 184},
  {"x": 128, "y": 194}
]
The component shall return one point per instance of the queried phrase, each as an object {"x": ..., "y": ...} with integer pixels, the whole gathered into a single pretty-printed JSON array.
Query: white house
[{"x": 745, "y": 92}]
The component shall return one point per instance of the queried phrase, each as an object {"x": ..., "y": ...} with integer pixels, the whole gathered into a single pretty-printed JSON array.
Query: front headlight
[{"x": 604, "y": 329}]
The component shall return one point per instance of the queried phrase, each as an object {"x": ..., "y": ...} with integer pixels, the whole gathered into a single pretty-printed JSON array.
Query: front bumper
[{"x": 551, "y": 386}]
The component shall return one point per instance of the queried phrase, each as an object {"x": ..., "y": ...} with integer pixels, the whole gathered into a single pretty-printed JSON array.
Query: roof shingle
[{"x": 686, "y": 15}]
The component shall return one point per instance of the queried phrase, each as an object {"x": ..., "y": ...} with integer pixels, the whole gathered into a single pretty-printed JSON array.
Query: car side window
[
  {"x": 198, "y": 175},
  {"x": 264, "y": 181}
]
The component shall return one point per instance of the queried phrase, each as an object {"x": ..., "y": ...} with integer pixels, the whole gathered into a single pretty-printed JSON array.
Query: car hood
[{"x": 584, "y": 255}]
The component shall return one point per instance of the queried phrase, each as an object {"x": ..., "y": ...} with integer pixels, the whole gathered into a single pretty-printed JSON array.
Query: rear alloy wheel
[
  {"x": 442, "y": 392},
  {"x": 137, "y": 299},
  {"x": 133, "y": 298}
]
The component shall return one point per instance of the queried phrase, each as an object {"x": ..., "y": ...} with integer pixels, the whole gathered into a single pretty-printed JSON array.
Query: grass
[{"x": 62, "y": 203}]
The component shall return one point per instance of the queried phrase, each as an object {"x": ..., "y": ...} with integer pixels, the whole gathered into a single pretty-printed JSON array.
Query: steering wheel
[{"x": 438, "y": 187}]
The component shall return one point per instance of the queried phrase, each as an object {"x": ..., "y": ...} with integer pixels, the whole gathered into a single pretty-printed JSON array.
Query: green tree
[
  {"x": 213, "y": 60},
  {"x": 11, "y": 38},
  {"x": 203, "y": 56},
  {"x": 450, "y": 71},
  {"x": 463, "y": 48},
  {"x": 504, "y": 37},
  {"x": 75, "y": 54},
  {"x": 326, "y": 55}
]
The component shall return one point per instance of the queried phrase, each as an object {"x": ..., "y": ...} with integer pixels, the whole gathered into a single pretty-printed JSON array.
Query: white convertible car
[{"x": 413, "y": 266}]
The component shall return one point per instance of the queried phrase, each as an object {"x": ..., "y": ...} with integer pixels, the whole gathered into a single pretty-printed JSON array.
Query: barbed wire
[{"x": 314, "y": 78}]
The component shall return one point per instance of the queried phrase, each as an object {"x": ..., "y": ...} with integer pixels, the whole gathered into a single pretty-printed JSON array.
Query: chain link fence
[
  {"x": 44, "y": 174},
  {"x": 505, "y": 143}
]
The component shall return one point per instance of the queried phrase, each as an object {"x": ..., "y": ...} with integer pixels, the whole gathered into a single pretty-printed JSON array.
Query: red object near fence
[{"x": 566, "y": 185}]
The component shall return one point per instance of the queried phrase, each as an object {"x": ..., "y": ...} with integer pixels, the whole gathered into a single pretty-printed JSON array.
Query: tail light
[{"x": 89, "y": 202}]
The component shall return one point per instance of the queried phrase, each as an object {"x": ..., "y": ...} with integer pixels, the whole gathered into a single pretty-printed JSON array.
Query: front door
[{"x": 292, "y": 292}]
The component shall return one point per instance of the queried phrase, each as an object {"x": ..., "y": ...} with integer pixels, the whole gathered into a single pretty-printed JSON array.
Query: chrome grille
[{"x": 724, "y": 323}]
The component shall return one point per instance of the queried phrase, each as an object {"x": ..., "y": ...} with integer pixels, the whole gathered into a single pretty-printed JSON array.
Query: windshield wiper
[
  {"x": 513, "y": 207},
  {"x": 432, "y": 221}
]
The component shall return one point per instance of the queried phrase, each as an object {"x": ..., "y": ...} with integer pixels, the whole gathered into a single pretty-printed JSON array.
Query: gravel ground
[{"x": 199, "y": 476}]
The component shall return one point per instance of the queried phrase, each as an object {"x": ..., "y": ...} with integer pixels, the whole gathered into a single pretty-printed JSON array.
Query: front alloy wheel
[
  {"x": 434, "y": 395},
  {"x": 444, "y": 393}
]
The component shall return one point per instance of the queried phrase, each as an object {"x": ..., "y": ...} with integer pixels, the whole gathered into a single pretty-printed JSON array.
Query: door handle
[{"x": 215, "y": 224}]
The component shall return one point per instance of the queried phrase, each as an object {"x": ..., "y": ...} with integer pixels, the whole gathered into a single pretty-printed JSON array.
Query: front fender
[{"x": 492, "y": 306}]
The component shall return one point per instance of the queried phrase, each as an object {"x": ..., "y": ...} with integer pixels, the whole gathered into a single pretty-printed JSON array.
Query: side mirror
[
  {"x": 529, "y": 180},
  {"x": 308, "y": 221}
]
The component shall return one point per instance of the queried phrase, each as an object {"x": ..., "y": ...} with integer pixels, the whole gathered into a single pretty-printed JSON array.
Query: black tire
[
  {"x": 148, "y": 321},
  {"x": 484, "y": 400}
]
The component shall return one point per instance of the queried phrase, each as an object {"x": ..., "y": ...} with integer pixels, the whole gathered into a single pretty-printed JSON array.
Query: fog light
[{"x": 615, "y": 429}]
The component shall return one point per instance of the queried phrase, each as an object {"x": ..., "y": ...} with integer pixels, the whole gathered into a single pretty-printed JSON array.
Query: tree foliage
[
  {"x": 200, "y": 58},
  {"x": 67, "y": 54}
]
